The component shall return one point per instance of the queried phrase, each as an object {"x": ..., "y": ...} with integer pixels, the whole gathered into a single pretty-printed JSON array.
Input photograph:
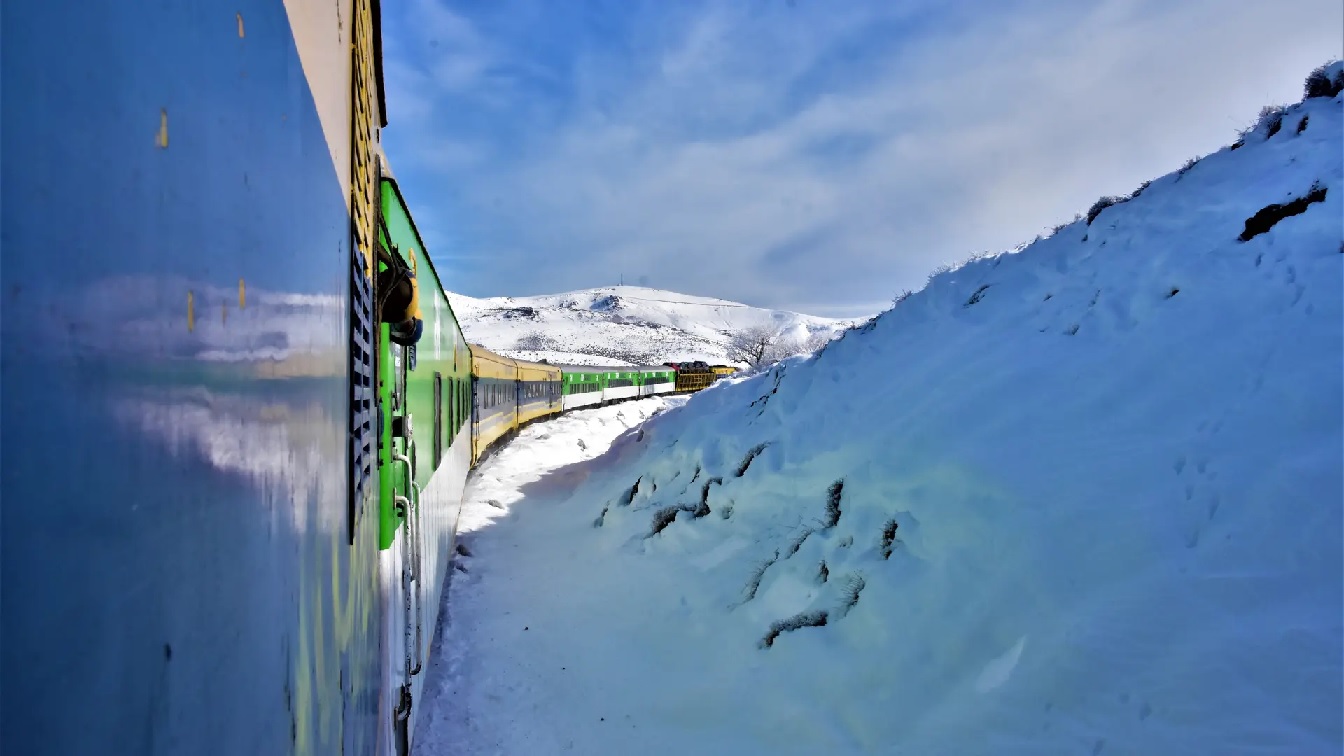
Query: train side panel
[
  {"x": 539, "y": 392},
  {"x": 185, "y": 570},
  {"x": 579, "y": 388},
  {"x": 418, "y": 539},
  {"x": 494, "y": 399},
  {"x": 583, "y": 385},
  {"x": 656, "y": 380},
  {"x": 620, "y": 384}
]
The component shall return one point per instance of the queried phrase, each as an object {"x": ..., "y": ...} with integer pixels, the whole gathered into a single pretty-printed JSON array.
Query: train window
[
  {"x": 438, "y": 419},
  {"x": 450, "y": 427}
]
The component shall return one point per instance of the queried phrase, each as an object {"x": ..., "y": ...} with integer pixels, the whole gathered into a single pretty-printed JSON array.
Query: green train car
[{"x": 586, "y": 385}]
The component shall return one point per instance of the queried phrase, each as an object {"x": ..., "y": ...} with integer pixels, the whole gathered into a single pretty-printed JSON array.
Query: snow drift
[{"x": 1085, "y": 498}]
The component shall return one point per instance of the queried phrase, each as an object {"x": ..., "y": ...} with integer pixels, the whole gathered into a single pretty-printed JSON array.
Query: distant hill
[{"x": 621, "y": 324}]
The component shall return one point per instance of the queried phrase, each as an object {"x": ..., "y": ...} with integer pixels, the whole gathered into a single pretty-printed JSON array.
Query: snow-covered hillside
[
  {"x": 1083, "y": 498},
  {"x": 621, "y": 325}
]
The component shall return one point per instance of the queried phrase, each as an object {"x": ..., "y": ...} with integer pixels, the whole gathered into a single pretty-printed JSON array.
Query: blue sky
[{"x": 799, "y": 154}]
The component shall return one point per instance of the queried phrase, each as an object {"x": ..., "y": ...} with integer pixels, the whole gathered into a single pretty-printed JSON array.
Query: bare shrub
[
  {"x": 1270, "y": 119},
  {"x": 849, "y": 598},
  {"x": 1102, "y": 204},
  {"x": 816, "y": 618},
  {"x": 1191, "y": 163},
  {"x": 1319, "y": 83},
  {"x": 889, "y": 538},
  {"x": 833, "y": 495},
  {"x": 534, "y": 341},
  {"x": 1268, "y": 216},
  {"x": 752, "y": 454}
]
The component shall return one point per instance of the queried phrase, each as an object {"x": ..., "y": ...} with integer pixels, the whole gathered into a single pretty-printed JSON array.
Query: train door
[
  {"x": 475, "y": 416},
  {"x": 404, "y": 492}
]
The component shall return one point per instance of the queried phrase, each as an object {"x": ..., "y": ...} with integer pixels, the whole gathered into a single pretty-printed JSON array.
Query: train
[{"x": 238, "y": 412}]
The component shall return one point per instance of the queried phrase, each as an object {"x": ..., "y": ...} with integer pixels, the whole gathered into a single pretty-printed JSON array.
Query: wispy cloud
[{"x": 805, "y": 155}]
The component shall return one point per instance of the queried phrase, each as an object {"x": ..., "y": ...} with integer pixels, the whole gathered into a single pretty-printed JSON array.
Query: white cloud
[{"x": 718, "y": 168}]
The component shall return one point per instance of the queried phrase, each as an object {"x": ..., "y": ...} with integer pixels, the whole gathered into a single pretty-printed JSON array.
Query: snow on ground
[
  {"x": 1085, "y": 498},
  {"x": 540, "y": 462},
  {"x": 621, "y": 325}
]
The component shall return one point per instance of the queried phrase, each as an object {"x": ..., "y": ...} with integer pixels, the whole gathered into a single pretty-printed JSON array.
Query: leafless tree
[
  {"x": 766, "y": 344},
  {"x": 816, "y": 340},
  {"x": 754, "y": 345}
]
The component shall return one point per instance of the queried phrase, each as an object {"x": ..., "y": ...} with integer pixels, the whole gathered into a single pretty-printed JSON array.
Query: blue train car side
[{"x": 184, "y": 571}]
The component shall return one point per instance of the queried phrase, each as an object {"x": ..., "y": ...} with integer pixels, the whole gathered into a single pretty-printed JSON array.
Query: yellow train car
[
  {"x": 721, "y": 371},
  {"x": 508, "y": 394},
  {"x": 688, "y": 382},
  {"x": 539, "y": 391},
  {"x": 494, "y": 399}
]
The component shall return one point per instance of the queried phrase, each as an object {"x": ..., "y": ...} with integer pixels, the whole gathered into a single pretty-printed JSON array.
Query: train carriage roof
[
  {"x": 595, "y": 368},
  {"x": 533, "y": 371},
  {"x": 487, "y": 364}
]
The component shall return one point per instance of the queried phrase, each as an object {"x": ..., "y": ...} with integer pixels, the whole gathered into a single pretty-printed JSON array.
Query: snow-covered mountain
[
  {"x": 1081, "y": 498},
  {"x": 621, "y": 325}
]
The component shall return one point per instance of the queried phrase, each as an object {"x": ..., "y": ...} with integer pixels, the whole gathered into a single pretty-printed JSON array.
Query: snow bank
[{"x": 1085, "y": 498}]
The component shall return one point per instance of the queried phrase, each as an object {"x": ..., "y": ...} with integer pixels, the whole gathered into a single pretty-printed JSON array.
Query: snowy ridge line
[{"x": 630, "y": 324}]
